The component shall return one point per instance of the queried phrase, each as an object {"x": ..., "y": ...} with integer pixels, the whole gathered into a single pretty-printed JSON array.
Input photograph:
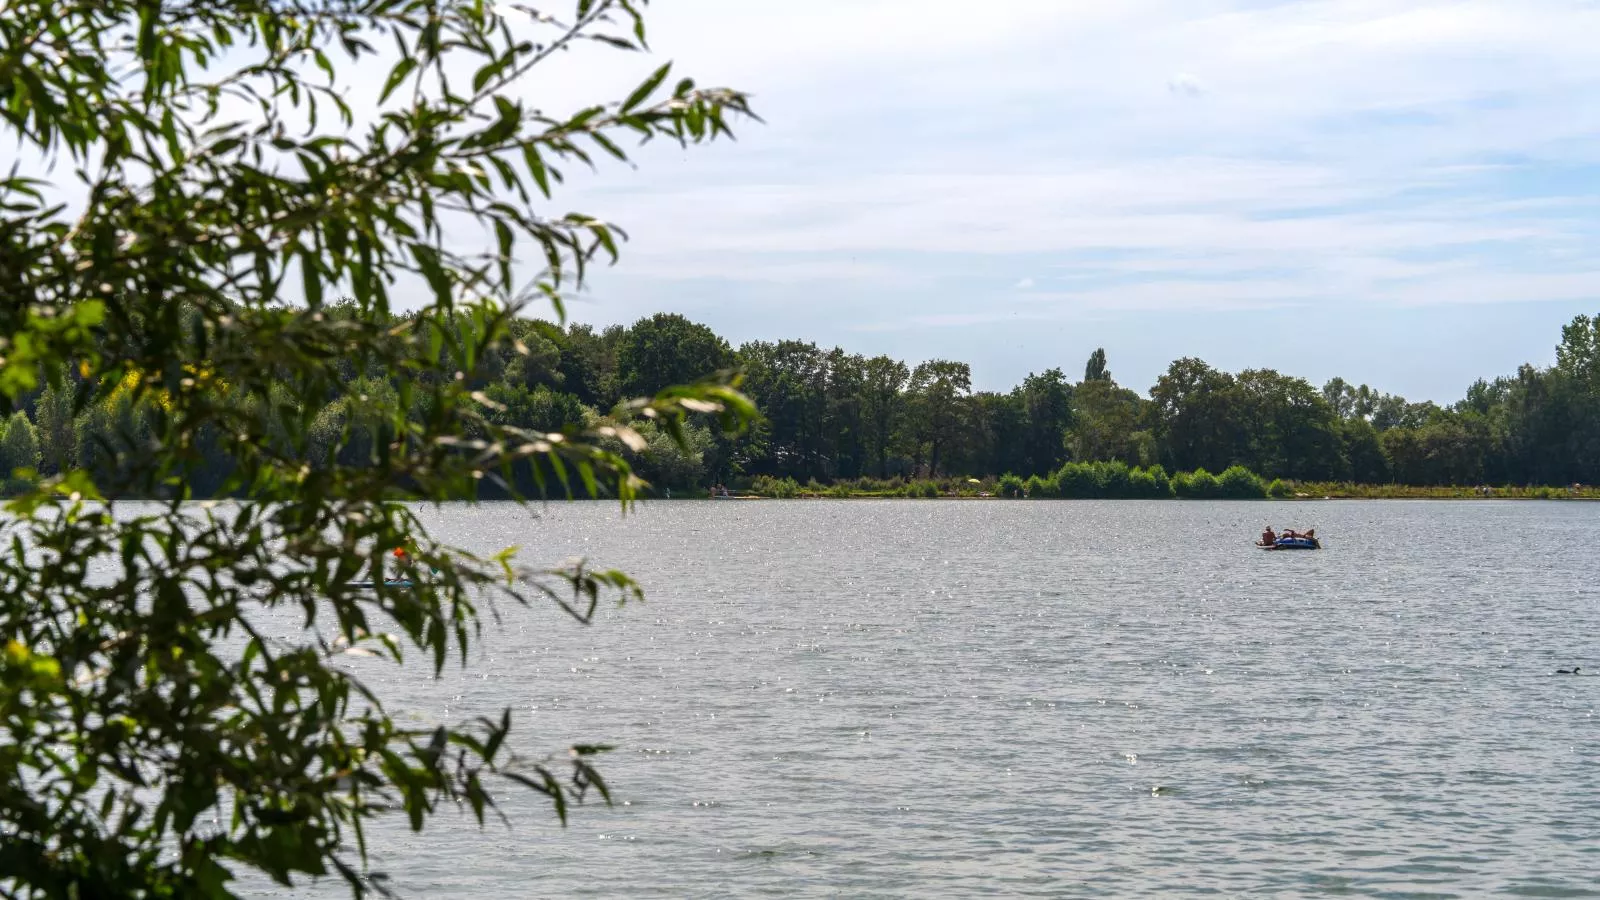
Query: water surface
[{"x": 1053, "y": 699}]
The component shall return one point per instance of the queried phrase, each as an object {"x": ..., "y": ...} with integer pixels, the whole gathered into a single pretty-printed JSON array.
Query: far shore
[{"x": 1362, "y": 492}]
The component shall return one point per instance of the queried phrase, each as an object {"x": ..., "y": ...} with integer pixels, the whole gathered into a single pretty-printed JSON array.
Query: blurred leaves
[{"x": 225, "y": 186}]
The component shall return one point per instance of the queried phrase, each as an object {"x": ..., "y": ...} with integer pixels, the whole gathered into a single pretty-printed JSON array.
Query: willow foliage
[{"x": 211, "y": 175}]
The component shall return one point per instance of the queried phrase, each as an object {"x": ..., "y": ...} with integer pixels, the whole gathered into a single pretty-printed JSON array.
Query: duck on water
[{"x": 1289, "y": 540}]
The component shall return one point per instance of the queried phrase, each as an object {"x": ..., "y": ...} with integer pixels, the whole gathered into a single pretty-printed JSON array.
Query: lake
[{"x": 1050, "y": 699}]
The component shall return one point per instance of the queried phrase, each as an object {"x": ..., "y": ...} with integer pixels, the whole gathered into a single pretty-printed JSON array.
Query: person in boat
[
  {"x": 1268, "y": 538},
  {"x": 407, "y": 564},
  {"x": 1290, "y": 534}
]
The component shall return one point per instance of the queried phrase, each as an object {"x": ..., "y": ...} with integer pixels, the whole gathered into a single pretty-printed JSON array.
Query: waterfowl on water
[{"x": 1571, "y": 671}]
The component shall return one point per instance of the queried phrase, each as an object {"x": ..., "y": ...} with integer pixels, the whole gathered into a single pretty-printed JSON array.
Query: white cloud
[
  {"x": 952, "y": 320},
  {"x": 1384, "y": 150},
  {"x": 1398, "y": 151}
]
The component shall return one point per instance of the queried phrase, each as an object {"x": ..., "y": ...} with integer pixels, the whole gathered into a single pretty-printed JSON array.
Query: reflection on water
[{"x": 1043, "y": 699}]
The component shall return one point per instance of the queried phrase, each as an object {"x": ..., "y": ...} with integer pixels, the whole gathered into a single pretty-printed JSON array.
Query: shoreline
[{"x": 1398, "y": 495}]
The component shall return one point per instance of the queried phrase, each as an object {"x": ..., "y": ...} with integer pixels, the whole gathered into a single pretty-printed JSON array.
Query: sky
[
  {"x": 1402, "y": 193},
  {"x": 1398, "y": 193}
]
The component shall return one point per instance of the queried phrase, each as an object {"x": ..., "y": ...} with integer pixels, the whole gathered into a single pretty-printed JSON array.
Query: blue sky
[
  {"x": 1402, "y": 193},
  {"x": 1399, "y": 192}
]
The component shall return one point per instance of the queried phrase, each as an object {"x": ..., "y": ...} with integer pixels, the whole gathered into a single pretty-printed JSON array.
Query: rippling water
[{"x": 1046, "y": 699}]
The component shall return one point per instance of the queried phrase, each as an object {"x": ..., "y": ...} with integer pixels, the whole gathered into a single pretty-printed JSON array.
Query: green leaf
[
  {"x": 644, "y": 90},
  {"x": 536, "y": 168},
  {"x": 398, "y": 74},
  {"x": 311, "y": 279},
  {"x": 489, "y": 72}
]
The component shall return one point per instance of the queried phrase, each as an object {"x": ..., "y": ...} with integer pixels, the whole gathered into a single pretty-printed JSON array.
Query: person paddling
[
  {"x": 407, "y": 564},
  {"x": 402, "y": 564}
]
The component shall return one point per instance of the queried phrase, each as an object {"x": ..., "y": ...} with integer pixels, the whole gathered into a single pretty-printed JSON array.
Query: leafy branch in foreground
[{"x": 154, "y": 738}]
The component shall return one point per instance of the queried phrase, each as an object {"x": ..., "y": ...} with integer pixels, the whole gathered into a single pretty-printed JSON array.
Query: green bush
[
  {"x": 1279, "y": 489},
  {"x": 1012, "y": 486},
  {"x": 1112, "y": 479},
  {"x": 1149, "y": 484},
  {"x": 665, "y": 464},
  {"x": 19, "y": 447},
  {"x": 1239, "y": 483},
  {"x": 877, "y": 486},
  {"x": 1197, "y": 485},
  {"x": 1077, "y": 481},
  {"x": 1163, "y": 484},
  {"x": 781, "y": 488},
  {"x": 1039, "y": 488}
]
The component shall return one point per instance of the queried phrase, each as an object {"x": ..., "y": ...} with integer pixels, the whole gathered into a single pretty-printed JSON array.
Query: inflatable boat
[{"x": 1294, "y": 543}]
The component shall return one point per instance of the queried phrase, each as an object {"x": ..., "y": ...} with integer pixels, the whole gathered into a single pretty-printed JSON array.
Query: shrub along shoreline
[{"x": 1117, "y": 481}]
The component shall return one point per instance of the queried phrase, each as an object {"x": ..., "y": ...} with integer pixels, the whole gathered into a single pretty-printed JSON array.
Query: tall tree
[
  {"x": 1577, "y": 379},
  {"x": 1484, "y": 397},
  {"x": 789, "y": 380},
  {"x": 1107, "y": 425},
  {"x": 1538, "y": 425},
  {"x": 534, "y": 358},
  {"x": 1046, "y": 402},
  {"x": 1361, "y": 456},
  {"x": 1290, "y": 427},
  {"x": 1096, "y": 369},
  {"x": 1340, "y": 397},
  {"x": 589, "y": 364},
  {"x": 846, "y": 421},
  {"x": 668, "y": 349},
  {"x": 937, "y": 389},
  {"x": 1197, "y": 416},
  {"x": 54, "y": 420},
  {"x": 1002, "y": 443},
  {"x": 1392, "y": 411},
  {"x": 1578, "y": 354},
  {"x": 882, "y": 406}
]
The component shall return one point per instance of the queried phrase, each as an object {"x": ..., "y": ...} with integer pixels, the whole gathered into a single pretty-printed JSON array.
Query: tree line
[{"x": 829, "y": 416}]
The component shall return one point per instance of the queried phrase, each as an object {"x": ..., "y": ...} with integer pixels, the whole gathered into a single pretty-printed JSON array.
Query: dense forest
[{"x": 831, "y": 416}]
